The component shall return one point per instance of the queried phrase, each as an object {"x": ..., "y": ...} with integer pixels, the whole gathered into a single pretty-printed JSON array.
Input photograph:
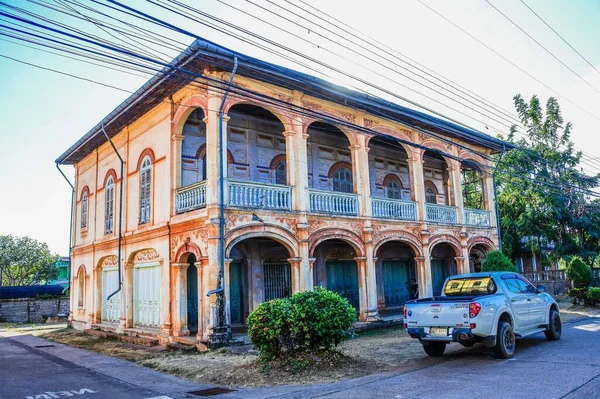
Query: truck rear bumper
[{"x": 458, "y": 334}]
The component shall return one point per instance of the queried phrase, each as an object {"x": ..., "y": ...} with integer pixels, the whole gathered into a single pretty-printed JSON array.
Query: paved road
[{"x": 569, "y": 368}]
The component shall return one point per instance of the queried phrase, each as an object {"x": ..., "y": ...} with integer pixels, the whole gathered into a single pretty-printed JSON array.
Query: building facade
[{"x": 316, "y": 192}]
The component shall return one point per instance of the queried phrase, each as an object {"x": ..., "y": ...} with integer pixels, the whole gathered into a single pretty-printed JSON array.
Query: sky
[{"x": 43, "y": 113}]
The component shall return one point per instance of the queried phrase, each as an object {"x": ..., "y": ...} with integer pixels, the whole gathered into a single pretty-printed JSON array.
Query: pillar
[
  {"x": 179, "y": 312},
  {"x": 200, "y": 266},
  {"x": 291, "y": 164},
  {"x": 296, "y": 274},
  {"x": 371, "y": 274},
  {"x": 97, "y": 292},
  {"x": 305, "y": 266},
  {"x": 212, "y": 147},
  {"x": 227, "y": 293},
  {"x": 462, "y": 266},
  {"x": 126, "y": 319},
  {"x": 489, "y": 198},
  {"x": 466, "y": 260},
  {"x": 422, "y": 276},
  {"x": 456, "y": 189},
  {"x": 361, "y": 263},
  {"x": 177, "y": 142},
  {"x": 360, "y": 171},
  {"x": 417, "y": 181}
]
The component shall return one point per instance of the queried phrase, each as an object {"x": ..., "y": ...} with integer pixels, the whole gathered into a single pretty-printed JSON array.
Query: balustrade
[
  {"x": 190, "y": 197},
  {"x": 477, "y": 217},
  {"x": 440, "y": 213},
  {"x": 546, "y": 275},
  {"x": 259, "y": 195},
  {"x": 333, "y": 202},
  {"x": 394, "y": 209}
]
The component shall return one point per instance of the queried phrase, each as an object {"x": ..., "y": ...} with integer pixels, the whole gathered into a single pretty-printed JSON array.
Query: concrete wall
[{"x": 31, "y": 310}]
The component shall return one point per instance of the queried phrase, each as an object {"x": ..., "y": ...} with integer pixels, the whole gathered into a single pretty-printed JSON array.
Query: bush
[
  {"x": 593, "y": 296},
  {"x": 578, "y": 295},
  {"x": 579, "y": 273},
  {"x": 308, "y": 320},
  {"x": 496, "y": 261}
]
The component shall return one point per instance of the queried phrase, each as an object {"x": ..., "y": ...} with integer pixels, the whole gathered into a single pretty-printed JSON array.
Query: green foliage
[
  {"x": 541, "y": 187},
  {"x": 578, "y": 295},
  {"x": 308, "y": 320},
  {"x": 579, "y": 273},
  {"x": 496, "y": 261},
  {"x": 24, "y": 261},
  {"x": 593, "y": 296}
]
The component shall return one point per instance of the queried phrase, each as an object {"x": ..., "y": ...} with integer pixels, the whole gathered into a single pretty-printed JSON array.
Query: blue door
[
  {"x": 438, "y": 276},
  {"x": 236, "y": 297},
  {"x": 342, "y": 277},
  {"x": 192, "y": 298},
  {"x": 395, "y": 281}
]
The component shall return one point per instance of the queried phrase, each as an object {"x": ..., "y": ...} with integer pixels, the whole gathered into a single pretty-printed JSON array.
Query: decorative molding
[
  {"x": 110, "y": 261},
  {"x": 146, "y": 255}
]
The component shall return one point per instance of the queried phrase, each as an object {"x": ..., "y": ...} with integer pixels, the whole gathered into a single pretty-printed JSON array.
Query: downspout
[
  {"x": 71, "y": 227},
  {"x": 496, "y": 198},
  {"x": 220, "y": 288},
  {"x": 120, "y": 214}
]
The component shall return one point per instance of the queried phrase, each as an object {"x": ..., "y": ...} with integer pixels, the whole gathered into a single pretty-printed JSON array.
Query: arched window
[
  {"x": 84, "y": 209},
  {"x": 109, "y": 203},
  {"x": 393, "y": 186},
  {"x": 80, "y": 287},
  {"x": 145, "y": 189},
  {"x": 342, "y": 180},
  {"x": 280, "y": 173},
  {"x": 430, "y": 196}
]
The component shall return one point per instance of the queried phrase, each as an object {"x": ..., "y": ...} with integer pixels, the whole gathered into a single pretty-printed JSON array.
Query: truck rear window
[{"x": 470, "y": 286}]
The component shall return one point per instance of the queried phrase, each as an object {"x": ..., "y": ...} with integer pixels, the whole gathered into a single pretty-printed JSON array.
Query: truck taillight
[
  {"x": 474, "y": 309},
  {"x": 404, "y": 311}
]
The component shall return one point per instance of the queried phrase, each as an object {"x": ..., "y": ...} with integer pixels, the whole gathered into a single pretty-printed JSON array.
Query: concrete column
[
  {"x": 305, "y": 266},
  {"x": 126, "y": 319},
  {"x": 97, "y": 295},
  {"x": 212, "y": 147},
  {"x": 179, "y": 312},
  {"x": 176, "y": 143},
  {"x": 462, "y": 265},
  {"x": 421, "y": 276},
  {"x": 291, "y": 163},
  {"x": 417, "y": 181},
  {"x": 426, "y": 290},
  {"x": 361, "y": 263},
  {"x": 295, "y": 264},
  {"x": 227, "y": 293},
  {"x": 456, "y": 189},
  {"x": 301, "y": 158},
  {"x": 371, "y": 274},
  {"x": 200, "y": 266},
  {"x": 360, "y": 166},
  {"x": 489, "y": 199},
  {"x": 311, "y": 271}
]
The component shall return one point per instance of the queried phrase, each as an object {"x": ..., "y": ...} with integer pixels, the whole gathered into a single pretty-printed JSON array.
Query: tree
[
  {"x": 542, "y": 190},
  {"x": 579, "y": 273},
  {"x": 24, "y": 261},
  {"x": 496, "y": 261}
]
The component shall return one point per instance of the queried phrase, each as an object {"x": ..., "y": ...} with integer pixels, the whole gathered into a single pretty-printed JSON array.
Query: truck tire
[
  {"x": 554, "y": 330},
  {"x": 434, "y": 348},
  {"x": 505, "y": 341}
]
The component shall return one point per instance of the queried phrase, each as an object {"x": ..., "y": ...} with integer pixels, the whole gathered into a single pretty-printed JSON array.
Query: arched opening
[
  {"x": 146, "y": 289},
  {"x": 192, "y": 294},
  {"x": 388, "y": 169},
  {"x": 435, "y": 171},
  {"x": 111, "y": 308},
  {"x": 336, "y": 269},
  {"x": 329, "y": 159},
  {"x": 396, "y": 275},
  {"x": 477, "y": 255},
  {"x": 443, "y": 265},
  {"x": 254, "y": 138},
  {"x": 472, "y": 185},
  {"x": 81, "y": 288},
  {"x": 193, "y": 159},
  {"x": 259, "y": 271}
]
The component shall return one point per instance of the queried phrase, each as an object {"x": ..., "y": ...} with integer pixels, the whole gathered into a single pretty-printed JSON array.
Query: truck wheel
[
  {"x": 505, "y": 341},
  {"x": 434, "y": 348},
  {"x": 554, "y": 330}
]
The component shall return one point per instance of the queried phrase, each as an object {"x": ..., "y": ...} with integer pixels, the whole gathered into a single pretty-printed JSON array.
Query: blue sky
[{"x": 43, "y": 113}]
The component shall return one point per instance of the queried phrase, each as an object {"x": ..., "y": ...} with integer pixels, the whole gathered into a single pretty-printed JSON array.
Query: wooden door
[
  {"x": 111, "y": 309},
  {"x": 342, "y": 277},
  {"x": 438, "y": 276},
  {"x": 146, "y": 298},
  {"x": 236, "y": 293},
  {"x": 395, "y": 280},
  {"x": 192, "y": 298}
]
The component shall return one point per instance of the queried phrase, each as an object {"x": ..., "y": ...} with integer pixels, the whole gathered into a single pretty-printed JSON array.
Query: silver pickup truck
[{"x": 493, "y": 308}]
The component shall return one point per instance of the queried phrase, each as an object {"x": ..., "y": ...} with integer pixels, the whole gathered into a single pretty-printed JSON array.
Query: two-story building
[{"x": 254, "y": 181}]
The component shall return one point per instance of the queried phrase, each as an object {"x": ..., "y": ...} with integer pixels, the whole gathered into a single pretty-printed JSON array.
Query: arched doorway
[
  {"x": 477, "y": 255},
  {"x": 192, "y": 294},
  {"x": 259, "y": 271},
  {"x": 443, "y": 265},
  {"x": 396, "y": 275},
  {"x": 336, "y": 269}
]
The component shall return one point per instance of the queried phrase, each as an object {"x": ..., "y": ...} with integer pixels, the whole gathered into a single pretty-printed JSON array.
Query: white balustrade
[
  {"x": 190, "y": 197},
  {"x": 259, "y": 195},
  {"x": 333, "y": 202},
  {"x": 394, "y": 209},
  {"x": 440, "y": 213},
  {"x": 477, "y": 217}
]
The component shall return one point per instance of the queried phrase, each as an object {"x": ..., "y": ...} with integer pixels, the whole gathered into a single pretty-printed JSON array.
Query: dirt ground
[{"x": 367, "y": 353}]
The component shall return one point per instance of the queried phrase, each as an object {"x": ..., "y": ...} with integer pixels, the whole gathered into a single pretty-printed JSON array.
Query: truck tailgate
[{"x": 433, "y": 314}]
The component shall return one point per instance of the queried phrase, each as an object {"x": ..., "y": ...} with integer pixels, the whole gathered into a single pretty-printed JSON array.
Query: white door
[
  {"x": 519, "y": 303},
  {"x": 146, "y": 295},
  {"x": 536, "y": 302},
  {"x": 111, "y": 309}
]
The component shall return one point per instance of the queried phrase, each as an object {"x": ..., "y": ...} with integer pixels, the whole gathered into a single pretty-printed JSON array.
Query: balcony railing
[
  {"x": 333, "y": 202},
  {"x": 190, "y": 197},
  {"x": 259, "y": 195},
  {"x": 476, "y": 217},
  {"x": 546, "y": 275},
  {"x": 394, "y": 209},
  {"x": 440, "y": 213}
]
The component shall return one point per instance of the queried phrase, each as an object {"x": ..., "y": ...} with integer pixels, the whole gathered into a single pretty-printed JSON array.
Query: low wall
[{"x": 31, "y": 310}]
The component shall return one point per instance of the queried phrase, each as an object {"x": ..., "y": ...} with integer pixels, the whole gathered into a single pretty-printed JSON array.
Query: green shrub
[
  {"x": 496, "y": 261},
  {"x": 579, "y": 273},
  {"x": 593, "y": 296},
  {"x": 308, "y": 320},
  {"x": 578, "y": 295}
]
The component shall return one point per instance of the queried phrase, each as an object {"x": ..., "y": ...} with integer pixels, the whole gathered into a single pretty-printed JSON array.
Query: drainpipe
[
  {"x": 71, "y": 227},
  {"x": 120, "y": 213},
  {"x": 220, "y": 289},
  {"x": 496, "y": 199}
]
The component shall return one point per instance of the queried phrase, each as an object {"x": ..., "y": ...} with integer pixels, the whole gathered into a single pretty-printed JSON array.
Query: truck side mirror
[{"x": 540, "y": 289}]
